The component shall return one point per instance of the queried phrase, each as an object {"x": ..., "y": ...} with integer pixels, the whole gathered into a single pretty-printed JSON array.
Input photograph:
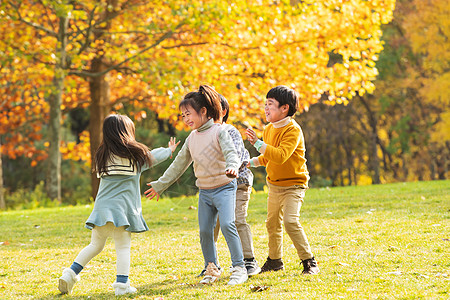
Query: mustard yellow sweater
[{"x": 284, "y": 154}]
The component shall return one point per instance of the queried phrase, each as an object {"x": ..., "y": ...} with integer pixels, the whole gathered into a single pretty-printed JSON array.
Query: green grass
[{"x": 372, "y": 242}]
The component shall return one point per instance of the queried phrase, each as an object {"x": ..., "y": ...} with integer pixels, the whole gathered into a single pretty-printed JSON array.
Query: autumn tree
[
  {"x": 92, "y": 39},
  {"x": 101, "y": 54},
  {"x": 398, "y": 133},
  {"x": 412, "y": 102}
]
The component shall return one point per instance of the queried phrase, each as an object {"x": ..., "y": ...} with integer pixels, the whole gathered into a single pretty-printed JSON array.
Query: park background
[{"x": 373, "y": 78}]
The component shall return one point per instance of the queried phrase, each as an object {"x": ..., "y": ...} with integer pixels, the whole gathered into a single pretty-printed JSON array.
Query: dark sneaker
[
  {"x": 310, "y": 267},
  {"x": 272, "y": 265},
  {"x": 252, "y": 266}
]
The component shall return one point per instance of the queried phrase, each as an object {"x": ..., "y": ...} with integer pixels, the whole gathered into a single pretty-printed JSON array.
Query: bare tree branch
[
  {"x": 32, "y": 24},
  {"x": 88, "y": 31}
]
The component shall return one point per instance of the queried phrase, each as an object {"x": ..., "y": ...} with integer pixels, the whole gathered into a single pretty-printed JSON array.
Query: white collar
[
  {"x": 282, "y": 122},
  {"x": 119, "y": 166}
]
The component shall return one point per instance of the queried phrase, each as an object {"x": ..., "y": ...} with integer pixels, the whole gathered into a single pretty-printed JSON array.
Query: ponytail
[{"x": 207, "y": 97}]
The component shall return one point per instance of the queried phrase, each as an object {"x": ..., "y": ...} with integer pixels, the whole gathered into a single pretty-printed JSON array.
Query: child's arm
[
  {"x": 159, "y": 155},
  {"x": 260, "y": 145},
  {"x": 238, "y": 144},
  {"x": 175, "y": 170},
  {"x": 229, "y": 151},
  {"x": 290, "y": 140}
]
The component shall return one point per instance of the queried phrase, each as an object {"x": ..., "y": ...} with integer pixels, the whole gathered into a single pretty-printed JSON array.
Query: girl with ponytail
[{"x": 216, "y": 164}]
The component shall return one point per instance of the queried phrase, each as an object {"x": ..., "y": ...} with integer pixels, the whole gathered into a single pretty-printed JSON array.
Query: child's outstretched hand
[
  {"x": 251, "y": 135},
  {"x": 231, "y": 173},
  {"x": 173, "y": 144},
  {"x": 151, "y": 193}
]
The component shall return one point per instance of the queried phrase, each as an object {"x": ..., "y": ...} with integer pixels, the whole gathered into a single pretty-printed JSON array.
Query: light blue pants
[{"x": 219, "y": 201}]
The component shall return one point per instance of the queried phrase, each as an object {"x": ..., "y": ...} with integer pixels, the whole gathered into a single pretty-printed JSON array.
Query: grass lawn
[{"x": 387, "y": 241}]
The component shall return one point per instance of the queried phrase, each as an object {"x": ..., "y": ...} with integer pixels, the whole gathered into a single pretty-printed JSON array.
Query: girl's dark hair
[
  {"x": 119, "y": 139},
  {"x": 225, "y": 106},
  {"x": 207, "y": 97},
  {"x": 285, "y": 95}
]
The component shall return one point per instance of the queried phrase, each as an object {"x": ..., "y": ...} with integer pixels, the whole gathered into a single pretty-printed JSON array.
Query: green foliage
[
  {"x": 26, "y": 199},
  {"x": 319, "y": 182},
  {"x": 372, "y": 242},
  {"x": 76, "y": 183}
]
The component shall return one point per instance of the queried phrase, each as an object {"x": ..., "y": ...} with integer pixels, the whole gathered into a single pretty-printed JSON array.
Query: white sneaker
[
  {"x": 238, "y": 275},
  {"x": 212, "y": 273},
  {"x": 123, "y": 288},
  {"x": 67, "y": 280}
]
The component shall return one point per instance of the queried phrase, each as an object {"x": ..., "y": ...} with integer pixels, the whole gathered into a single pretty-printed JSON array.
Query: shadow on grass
[{"x": 164, "y": 288}]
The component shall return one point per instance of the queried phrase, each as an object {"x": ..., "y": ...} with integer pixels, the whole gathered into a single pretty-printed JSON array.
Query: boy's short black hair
[{"x": 285, "y": 95}]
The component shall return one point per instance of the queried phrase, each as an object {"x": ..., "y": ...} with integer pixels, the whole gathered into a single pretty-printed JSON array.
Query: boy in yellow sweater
[{"x": 283, "y": 155}]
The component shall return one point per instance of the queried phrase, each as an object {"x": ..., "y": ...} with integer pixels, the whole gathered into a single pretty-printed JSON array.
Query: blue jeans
[{"x": 219, "y": 201}]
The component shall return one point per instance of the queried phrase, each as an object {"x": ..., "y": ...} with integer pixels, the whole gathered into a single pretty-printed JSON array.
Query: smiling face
[
  {"x": 275, "y": 112},
  {"x": 192, "y": 118}
]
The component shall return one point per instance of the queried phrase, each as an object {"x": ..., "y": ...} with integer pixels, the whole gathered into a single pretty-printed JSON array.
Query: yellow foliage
[
  {"x": 441, "y": 132},
  {"x": 364, "y": 180},
  {"x": 243, "y": 49}
]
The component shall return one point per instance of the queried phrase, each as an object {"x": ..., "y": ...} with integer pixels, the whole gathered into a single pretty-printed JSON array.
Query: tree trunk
[
  {"x": 54, "y": 154},
  {"x": 374, "y": 160},
  {"x": 405, "y": 167},
  {"x": 100, "y": 107},
  {"x": 100, "y": 96},
  {"x": 55, "y": 101},
  {"x": 2, "y": 195}
]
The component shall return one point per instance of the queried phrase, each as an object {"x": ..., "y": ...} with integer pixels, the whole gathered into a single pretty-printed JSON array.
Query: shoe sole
[
  {"x": 255, "y": 272},
  {"x": 310, "y": 273},
  {"x": 62, "y": 286},
  {"x": 274, "y": 270},
  {"x": 124, "y": 293},
  {"x": 239, "y": 282},
  {"x": 210, "y": 280}
]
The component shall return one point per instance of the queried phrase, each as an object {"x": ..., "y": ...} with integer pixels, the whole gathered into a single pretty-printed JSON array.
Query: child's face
[
  {"x": 275, "y": 112},
  {"x": 193, "y": 119}
]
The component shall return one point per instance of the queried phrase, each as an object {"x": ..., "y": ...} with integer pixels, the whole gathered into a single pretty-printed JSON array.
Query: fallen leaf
[
  {"x": 343, "y": 264},
  {"x": 392, "y": 248},
  {"x": 192, "y": 207},
  {"x": 446, "y": 240},
  {"x": 258, "y": 288}
]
